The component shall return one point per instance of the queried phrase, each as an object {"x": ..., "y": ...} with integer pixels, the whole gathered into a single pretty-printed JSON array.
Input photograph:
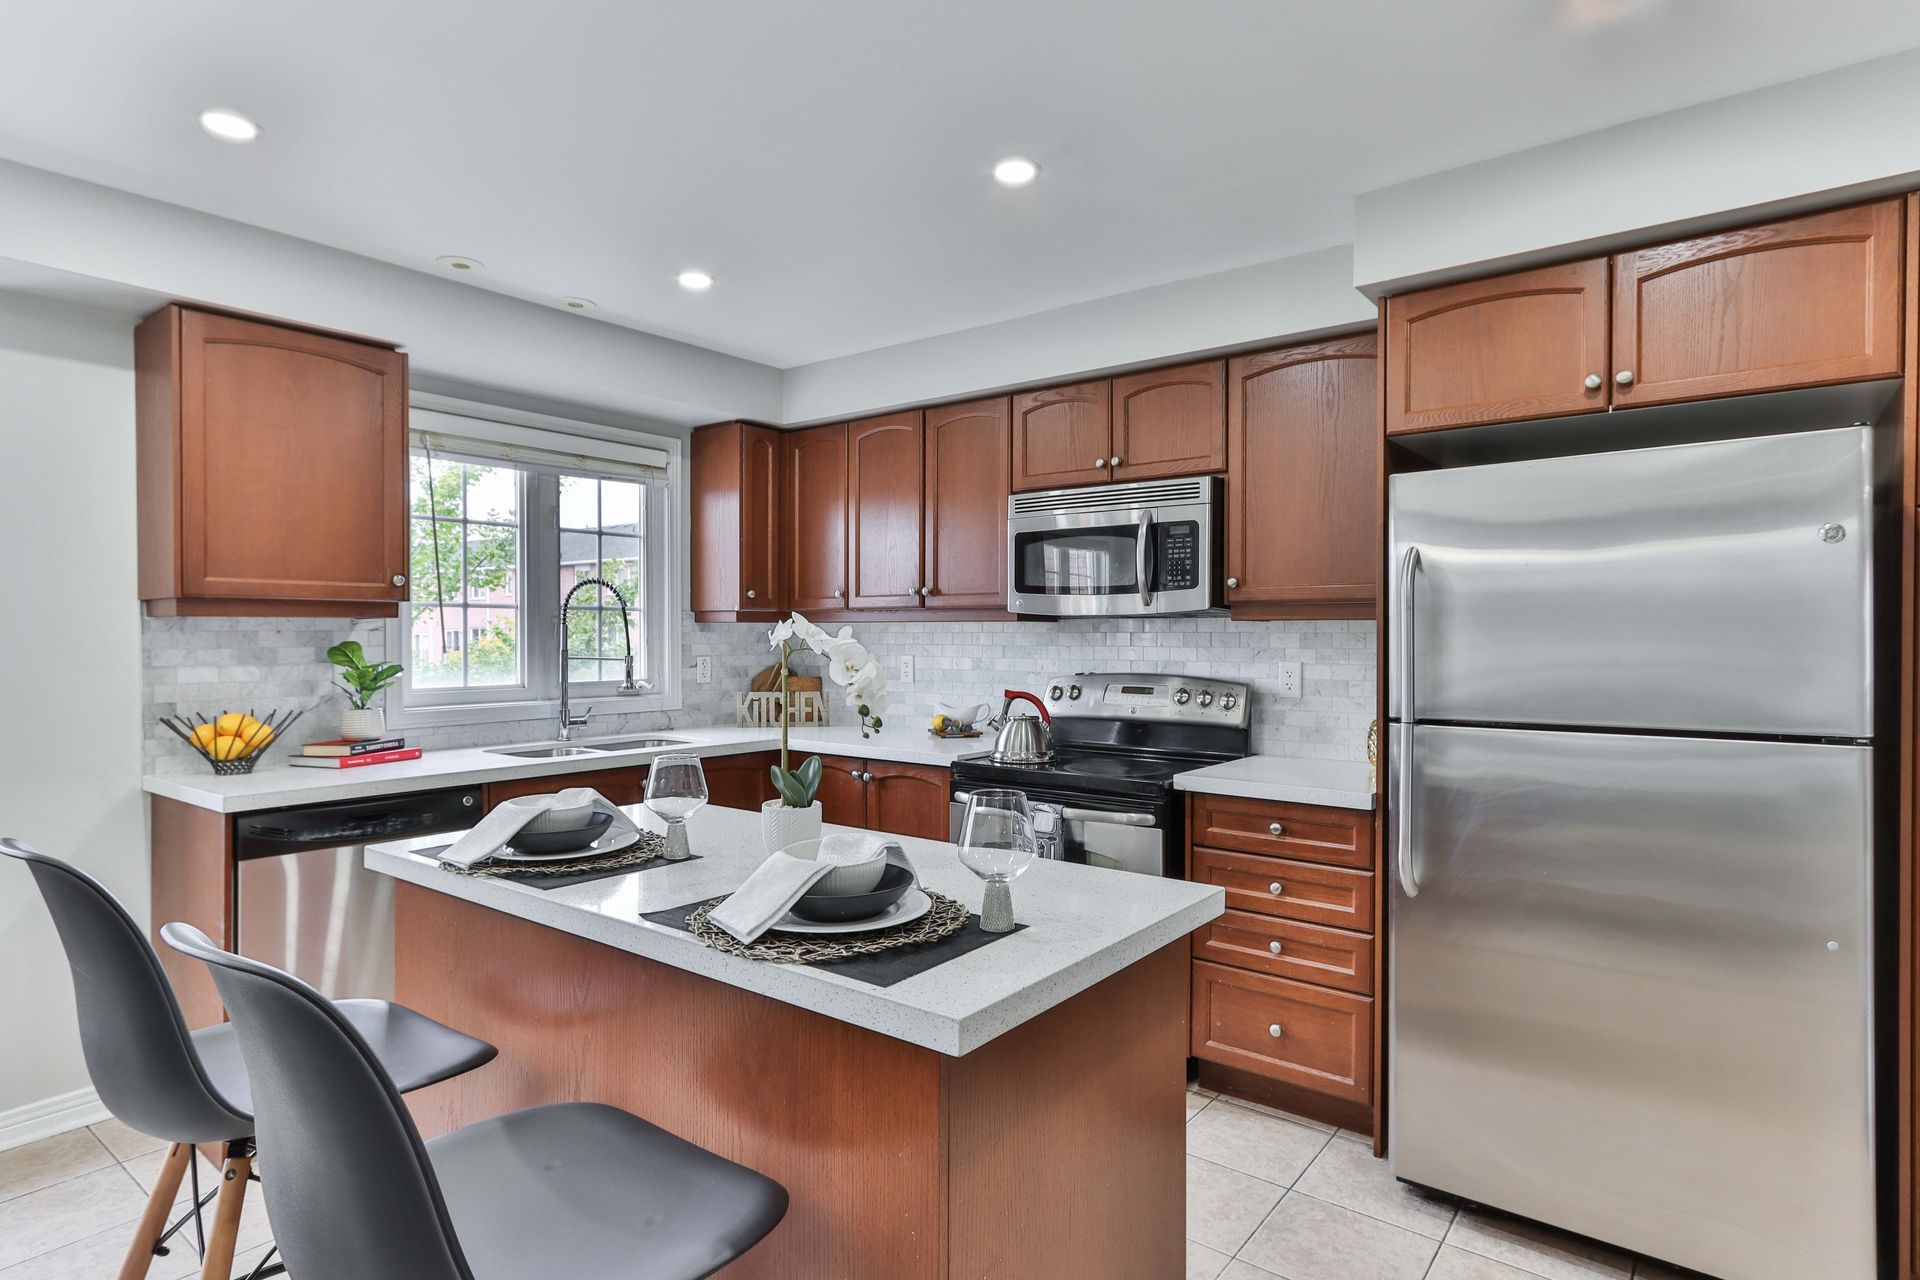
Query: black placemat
[
  {"x": 883, "y": 969},
  {"x": 540, "y": 881}
]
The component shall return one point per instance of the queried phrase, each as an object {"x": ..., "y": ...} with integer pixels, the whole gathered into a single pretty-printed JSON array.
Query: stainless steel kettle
[{"x": 1023, "y": 739}]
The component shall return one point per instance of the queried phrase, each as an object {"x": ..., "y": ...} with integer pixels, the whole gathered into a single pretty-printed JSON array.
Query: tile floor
[{"x": 1269, "y": 1197}]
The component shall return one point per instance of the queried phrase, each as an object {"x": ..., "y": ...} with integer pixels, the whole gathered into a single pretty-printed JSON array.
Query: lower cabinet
[
  {"x": 879, "y": 795},
  {"x": 740, "y": 782},
  {"x": 1293, "y": 1032},
  {"x": 733, "y": 782}
]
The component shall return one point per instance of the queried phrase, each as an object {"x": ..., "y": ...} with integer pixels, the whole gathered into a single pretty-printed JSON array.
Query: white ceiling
[{"x": 827, "y": 160}]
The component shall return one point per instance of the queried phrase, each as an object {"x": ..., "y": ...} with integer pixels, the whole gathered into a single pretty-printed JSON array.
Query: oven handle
[
  {"x": 1143, "y": 558},
  {"x": 1068, "y": 814}
]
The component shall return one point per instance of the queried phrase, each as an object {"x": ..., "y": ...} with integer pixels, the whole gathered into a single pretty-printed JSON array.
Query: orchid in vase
[{"x": 851, "y": 667}]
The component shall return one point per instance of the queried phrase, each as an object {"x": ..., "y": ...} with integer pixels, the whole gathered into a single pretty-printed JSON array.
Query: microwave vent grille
[{"x": 1195, "y": 489}]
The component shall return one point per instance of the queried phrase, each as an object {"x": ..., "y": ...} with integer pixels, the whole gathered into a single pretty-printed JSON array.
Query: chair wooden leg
[
  {"x": 154, "y": 1220},
  {"x": 218, "y": 1264}
]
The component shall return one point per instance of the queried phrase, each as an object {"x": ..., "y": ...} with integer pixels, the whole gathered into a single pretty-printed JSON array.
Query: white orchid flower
[
  {"x": 849, "y": 663},
  {"x": 782, "y": 632}
]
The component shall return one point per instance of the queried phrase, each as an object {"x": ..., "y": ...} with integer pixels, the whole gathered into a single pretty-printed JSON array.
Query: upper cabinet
[
  {"x": 1061, "y": 436},
  {"x": 969, "y": 475},
  {"x": 739, "y": 567},
  {"x": 1169, "y": 422},
  {"x": 1303, "y": 445},
  {"x": 273, "y": 466},
  {"x": 816, "y": 511},
  {"x": 884, "y": 512},
  {"x": 1800, "y": 302}
]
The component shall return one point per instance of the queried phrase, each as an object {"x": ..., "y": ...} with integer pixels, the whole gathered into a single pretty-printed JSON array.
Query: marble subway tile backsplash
[{"x": 211, "y": 664}]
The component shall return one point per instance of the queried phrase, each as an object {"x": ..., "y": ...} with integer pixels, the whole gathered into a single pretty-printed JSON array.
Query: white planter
[
  {"x": 781, "y": 826},
  {"x": 360, "y": 724}
]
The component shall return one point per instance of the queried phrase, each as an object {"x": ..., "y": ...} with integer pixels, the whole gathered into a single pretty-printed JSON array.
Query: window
[{"x": 507, "y": 518}]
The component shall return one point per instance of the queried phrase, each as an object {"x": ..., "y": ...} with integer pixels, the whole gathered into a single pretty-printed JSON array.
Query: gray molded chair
[
  {"x": 577, "y": 1189},
  {"x": 190, "y": 1088}
]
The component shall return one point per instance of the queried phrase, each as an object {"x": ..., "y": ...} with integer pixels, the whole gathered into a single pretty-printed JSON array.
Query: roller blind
[{"x": 458, "y": 438}]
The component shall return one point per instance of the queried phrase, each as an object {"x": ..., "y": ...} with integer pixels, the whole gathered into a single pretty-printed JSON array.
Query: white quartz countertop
[
  {"x": 1085, "y": 924},
  {"x": 1338, "y": 784},
  {"x": 275, "y": 786}
]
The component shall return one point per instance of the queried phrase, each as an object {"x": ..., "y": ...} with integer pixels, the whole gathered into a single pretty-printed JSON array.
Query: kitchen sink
[
  {"x": 637, "y": 744},
  {"x": 541, "y": 753}
]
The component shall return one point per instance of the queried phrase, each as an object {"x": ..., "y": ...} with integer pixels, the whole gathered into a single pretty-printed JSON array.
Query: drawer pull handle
[
  {"x": 1274, "y": 829},
  {"x": 1276, "y": 888},
  {"x": 1274, "y": 947},
  {"x": 1273, "y": 1029}
]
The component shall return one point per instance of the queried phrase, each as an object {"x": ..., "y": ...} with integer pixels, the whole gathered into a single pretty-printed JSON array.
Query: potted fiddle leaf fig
[
  {"x": 795, "y": 815},
  {"x": 361, "y": 680}
]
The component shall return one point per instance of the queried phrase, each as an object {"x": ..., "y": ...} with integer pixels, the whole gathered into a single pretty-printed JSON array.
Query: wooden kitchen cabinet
[
  {"x": 739, "y": 566},
  {"x": 740, "y": 782},
  {"x": 625, "y": 784},
  {"x": 1300, "y": 1034},
  {"x": 968, "y": 452},
  {"x": 1303, "y": 450},
  {"x": 880, "y": 795},
  {"x": 816, "y": 518},
  {"x": 843, "y": 791},
  {"x": 1061, "y": 436},
  {"x": 1169, "y": 422},
  {"x": 884, "y": 512},
  {"x": 272, "y": 469},
  {"x": 1797, "y": 303},
  {"x": 1513, "y": 347}
]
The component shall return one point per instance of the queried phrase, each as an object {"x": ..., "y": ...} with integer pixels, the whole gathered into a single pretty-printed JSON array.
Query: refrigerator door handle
[{"x": 1403, "y": 738}]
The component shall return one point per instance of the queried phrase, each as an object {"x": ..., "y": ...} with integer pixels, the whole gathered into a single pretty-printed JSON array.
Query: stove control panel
[{"x": 1140, "y": 696}]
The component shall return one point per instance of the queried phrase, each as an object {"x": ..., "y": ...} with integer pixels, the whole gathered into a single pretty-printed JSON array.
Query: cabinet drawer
[
  {"x": 1288, "y": 1031},
  {"x": 1289, "y": 949},
  {"x": 1283, "y": 887},
  {"x": 1340, "y": 837}
]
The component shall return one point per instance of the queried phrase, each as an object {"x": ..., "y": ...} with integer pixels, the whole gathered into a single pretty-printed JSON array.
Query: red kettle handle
[{"x": 1046, "y": 717}]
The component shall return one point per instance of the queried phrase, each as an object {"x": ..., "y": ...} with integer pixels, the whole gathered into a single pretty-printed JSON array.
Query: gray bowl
[
  {"x": 837, "y": 908},
  {"x": 561, "y": 841}
]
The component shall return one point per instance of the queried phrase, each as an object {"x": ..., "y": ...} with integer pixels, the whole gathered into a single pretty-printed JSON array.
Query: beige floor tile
[
  {"x": 1309, "y": 1239},
  {"x": 51, "y": 1217},
  {"x": 1196, "y": 1103},
  {"x": 1347, "y": 1174},
  {"x": 1223, "y": 1207},
  {"x": 1541, "y": 1250},
  {"x": 1458, "y": 1264},
  {"x": 1204, "y": 1263},
  {"x": 1269, "y": 1148},
  {"x": 99, "y": 1256},
  {"x": 1241, "y": 1269},
  {"x": 1648, "y": 1269},
  {"x": 1264, "y": 1109},
  {"x": 125, "y": 1142},
  {"x": 1350, "y": 1136},
  {"x": 50, "y": 1160}
]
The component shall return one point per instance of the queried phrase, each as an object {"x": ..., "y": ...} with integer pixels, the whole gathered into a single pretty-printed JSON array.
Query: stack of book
[{"x": 347, "y": 753}]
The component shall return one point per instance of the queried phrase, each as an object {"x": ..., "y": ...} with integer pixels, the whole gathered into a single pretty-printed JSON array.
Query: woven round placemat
[
  {"x": 946, "y": 918},
  {"x": 649, "y": 846}
]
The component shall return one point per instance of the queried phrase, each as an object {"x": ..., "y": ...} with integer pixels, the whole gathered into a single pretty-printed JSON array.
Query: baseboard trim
[{"x": 49, "y": 1116}]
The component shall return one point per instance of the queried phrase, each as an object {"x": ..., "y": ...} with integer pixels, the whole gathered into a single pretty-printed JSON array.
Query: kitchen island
[{"x": 1014, "y": 1111}]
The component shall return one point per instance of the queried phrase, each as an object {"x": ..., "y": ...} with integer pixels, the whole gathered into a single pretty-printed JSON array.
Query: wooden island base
[{"x": 1057, "y": 1149}]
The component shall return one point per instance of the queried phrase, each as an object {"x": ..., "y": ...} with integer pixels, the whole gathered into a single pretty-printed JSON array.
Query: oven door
[
  {"x": 1117, "y": 562},
  {"x": 1120, "y": 839}
]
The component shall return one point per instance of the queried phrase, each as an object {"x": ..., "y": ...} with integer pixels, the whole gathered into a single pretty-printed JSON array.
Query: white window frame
[{"x": 662, "y": 574}]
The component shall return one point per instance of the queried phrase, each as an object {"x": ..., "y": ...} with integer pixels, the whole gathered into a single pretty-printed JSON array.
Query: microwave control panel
[{"x": 1177, "y": 553}]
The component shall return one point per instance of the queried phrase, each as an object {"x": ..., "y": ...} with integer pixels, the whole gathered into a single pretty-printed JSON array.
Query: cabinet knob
[
  {"x": 839, "y": 593},
  {"x": 1274, "y": 829},
  {"x": 1593, "y": 381},
  {"x": 926, "y": 591},
  {"x": 1624, "y": 377},
  {"x": 1233, "y": 582},
  {"x": 1113, "y": 461},
  {"x": 1100, "y": 463},
  {"x": 1276, "y": 888},
  {"x": 399, "y": 579},
  {"x": 750, "y": 595},
  {"x": 866, "y": 777},
  {"x": 1274, "y": 947},
  {"x": 1273, "y": 1029}
]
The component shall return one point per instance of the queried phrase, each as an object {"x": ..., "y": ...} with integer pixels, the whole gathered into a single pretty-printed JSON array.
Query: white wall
[
  {"x": 70, "y": 756},
  {"x": 1297, "y": 297},
  {"x": 1819, "y": 140}
]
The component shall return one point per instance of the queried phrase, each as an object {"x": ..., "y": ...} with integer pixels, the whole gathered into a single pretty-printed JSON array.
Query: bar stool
[
  {"x": 580, "y": 1190},
  {"x": 190, "y": 1088}
]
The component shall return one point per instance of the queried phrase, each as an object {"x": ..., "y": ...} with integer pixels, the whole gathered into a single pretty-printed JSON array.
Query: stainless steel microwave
[{"x": 1115, "y": 550}]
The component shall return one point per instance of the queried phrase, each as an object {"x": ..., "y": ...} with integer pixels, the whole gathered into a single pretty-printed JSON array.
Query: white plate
[
  {"x": 612, "y": 842},
  {"x": 912, "y": 905}
]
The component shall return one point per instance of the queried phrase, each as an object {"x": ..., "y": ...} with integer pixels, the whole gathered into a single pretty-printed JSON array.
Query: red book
[{"x": 354, "y": 762}]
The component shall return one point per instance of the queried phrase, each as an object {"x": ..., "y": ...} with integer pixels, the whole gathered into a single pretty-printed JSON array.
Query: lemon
[
  {"x": 256, "y": 743},
  {"x": 203, "y": 736},
  {"x": 240, "y": 726},
  {"x": 939, "y": 724},
  {"x": 228, "y": 747}
]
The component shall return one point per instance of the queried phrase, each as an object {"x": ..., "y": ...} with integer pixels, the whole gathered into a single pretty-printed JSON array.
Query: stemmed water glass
[
  {"x": 676, "y": 786},
  {"x": 997, "y": 844}
]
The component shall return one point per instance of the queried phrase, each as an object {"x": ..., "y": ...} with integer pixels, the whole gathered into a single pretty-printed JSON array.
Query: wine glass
[
  {"x": 997, "y": 844},
  {"x": 676, "y": 786}
]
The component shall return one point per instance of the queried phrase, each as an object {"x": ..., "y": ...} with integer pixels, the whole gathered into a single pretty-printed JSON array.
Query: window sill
[{"x": 604, "y": 701}]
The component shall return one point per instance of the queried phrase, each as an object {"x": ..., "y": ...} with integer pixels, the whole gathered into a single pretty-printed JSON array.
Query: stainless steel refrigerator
[{"x": 1631, "y": 849}]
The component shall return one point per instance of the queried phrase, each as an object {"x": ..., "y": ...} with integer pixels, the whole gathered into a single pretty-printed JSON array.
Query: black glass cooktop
[{"x": 1135, "y": 774}]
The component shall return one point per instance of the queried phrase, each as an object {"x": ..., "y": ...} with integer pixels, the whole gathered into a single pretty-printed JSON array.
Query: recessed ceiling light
[
  {"x": 228, "y": 126},
  {"x": 695, "y": 281},
  {"x": 1015, "y": 171},
  {"x": 455, "y": 262},
  {"x": 578, "y": 304}
]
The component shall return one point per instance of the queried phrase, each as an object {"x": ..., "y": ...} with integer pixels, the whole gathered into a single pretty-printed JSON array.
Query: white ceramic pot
[
  {"x": 781, "y": 826},
  {"x": 361, "y": 724}
]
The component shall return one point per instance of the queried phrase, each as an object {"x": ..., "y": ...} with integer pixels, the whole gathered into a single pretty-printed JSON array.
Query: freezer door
[
  {"x": 1630, "y": 992},
  {"x": 1715, "y": 587}
]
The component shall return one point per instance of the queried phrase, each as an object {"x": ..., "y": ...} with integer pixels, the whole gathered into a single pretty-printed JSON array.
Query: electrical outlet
[
  {"x": 1289, "y": 679},
  {"x": 703, "y": 669},
  {"x": 906, "y": 669}
]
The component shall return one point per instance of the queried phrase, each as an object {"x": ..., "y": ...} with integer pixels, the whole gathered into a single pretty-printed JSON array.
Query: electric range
[{"x": 1107, "y": 798}]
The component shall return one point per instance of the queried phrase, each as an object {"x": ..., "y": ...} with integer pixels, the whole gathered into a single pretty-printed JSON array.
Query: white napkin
[
  {"x": 497, "y": 830},
  {"x": 779, "y": 882}
]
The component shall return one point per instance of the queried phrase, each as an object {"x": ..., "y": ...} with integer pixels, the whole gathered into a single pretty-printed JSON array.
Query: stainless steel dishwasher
[{"x": 305, "y": 902}]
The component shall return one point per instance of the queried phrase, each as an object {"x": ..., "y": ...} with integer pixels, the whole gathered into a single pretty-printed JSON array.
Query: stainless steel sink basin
[
  {"x": 541, "y": 753},
  {"x": 638, "y": 744}
]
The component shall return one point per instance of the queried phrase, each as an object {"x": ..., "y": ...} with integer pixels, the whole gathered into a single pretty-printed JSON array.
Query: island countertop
[{"x": 1085, "y": 924}]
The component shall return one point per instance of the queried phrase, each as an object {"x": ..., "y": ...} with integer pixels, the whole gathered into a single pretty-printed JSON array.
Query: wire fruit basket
[{"x": 232, "y": 742}]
